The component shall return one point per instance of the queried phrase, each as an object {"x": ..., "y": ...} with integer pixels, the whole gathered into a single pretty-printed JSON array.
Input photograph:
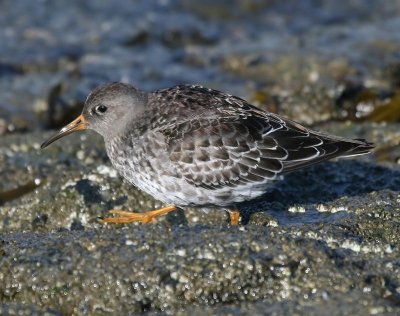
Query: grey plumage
[{"x": 193, "y": 146}]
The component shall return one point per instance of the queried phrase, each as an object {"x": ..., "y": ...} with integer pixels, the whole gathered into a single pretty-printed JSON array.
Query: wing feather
[
  {"x": 237, "y": 162},
  {"x": 232, "y": 143}
]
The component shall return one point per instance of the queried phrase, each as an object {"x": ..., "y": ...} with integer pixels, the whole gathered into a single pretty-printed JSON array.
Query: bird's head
[{"x": 107, "y": 110}]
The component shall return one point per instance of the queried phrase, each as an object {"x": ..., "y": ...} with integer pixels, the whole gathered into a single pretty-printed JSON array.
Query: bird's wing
[
  {"x": 214, "y": 154},
  {"x": 237, "y": 144}
]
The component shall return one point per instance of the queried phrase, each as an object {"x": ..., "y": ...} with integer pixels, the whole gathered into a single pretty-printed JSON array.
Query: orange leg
[
  {"x": 130, "y": 217},
  {"x": 234, "y": 216}
]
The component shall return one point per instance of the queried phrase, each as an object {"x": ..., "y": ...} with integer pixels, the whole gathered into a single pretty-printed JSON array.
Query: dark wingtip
[
  {"x": 366, "y": 145},
  {"x": 362, "y": 147}
]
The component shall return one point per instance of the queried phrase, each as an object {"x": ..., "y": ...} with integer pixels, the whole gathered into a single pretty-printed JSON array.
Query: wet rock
[
  {"x": 9, "y": 70},
  {"x": 323, "y": 237},
  {"x": 25, "y": 309},
  {"x": 130, "y": 271}
]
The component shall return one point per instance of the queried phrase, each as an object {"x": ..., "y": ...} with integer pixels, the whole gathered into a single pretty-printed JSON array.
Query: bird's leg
[
  {"x": 130, "y": 217},
  {"x": 234, "y": 216}
]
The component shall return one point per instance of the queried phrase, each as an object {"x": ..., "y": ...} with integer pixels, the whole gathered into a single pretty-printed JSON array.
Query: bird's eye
[{"x": 101, "y": 109}]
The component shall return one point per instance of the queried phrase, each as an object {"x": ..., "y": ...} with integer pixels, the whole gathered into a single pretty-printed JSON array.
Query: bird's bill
[{"x": 79, "y": 124}]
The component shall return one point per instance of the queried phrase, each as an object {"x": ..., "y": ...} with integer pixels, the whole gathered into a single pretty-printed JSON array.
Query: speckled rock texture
[{"x": 323, "y": 241}]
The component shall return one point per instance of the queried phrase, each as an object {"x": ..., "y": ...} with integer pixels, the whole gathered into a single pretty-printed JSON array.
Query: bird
[{"x": 192, "y": 146}]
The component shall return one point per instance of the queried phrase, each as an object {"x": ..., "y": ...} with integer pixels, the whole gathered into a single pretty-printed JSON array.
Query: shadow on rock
[{"x": 324, "y": 192}]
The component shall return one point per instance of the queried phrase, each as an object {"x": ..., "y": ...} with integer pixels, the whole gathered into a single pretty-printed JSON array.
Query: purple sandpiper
[{"x": 190, "y": 146}]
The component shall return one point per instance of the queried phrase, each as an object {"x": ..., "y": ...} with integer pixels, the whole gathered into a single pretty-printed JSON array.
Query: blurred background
[{"x": 311, "y": 60}]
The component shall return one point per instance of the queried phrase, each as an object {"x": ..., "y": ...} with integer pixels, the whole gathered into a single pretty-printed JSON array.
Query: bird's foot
[
  {"x": 130, "y": 217},
  {"x": 234, "y": 216}
]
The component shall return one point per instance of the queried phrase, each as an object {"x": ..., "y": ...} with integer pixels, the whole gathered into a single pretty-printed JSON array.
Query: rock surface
[{"x": 323, "y": 241}]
